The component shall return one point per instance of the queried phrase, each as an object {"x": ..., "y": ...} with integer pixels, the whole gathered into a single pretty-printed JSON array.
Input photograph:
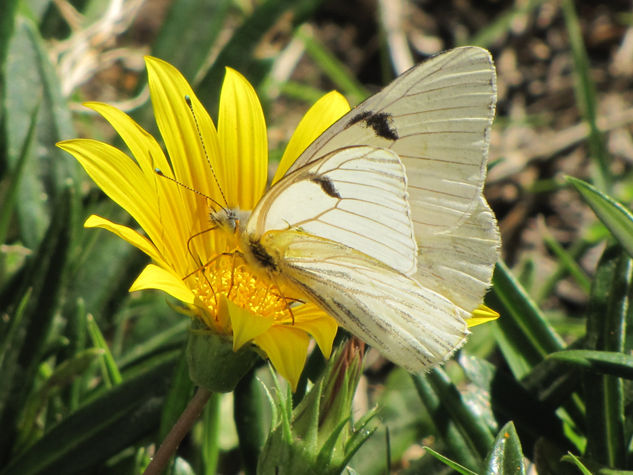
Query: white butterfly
[{"x": 381, "y": 220}]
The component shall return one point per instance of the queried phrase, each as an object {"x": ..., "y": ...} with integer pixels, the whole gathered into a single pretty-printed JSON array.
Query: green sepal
[{"x": 212, "y": 362}]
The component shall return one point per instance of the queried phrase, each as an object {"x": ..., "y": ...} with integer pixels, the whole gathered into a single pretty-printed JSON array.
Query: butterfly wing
[
  {"x": 355, "y": 196},
  {"x": 339, "y": 227},
  {"x": 408, "y": 323},
  {"x": 436, "y": 117},
  {"x": 459, "y": 263}
]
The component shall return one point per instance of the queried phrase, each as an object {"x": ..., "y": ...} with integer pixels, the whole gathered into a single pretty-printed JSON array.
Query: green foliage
[{"x": 93, "y": 378}]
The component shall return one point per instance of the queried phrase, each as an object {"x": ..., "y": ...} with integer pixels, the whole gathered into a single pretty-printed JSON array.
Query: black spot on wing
[
  {"x": 359, "y": 117},
  {"x": 380, "y": 122},
  {"x": 260, "y": 253},
  {"x": 326, "y": 185}
]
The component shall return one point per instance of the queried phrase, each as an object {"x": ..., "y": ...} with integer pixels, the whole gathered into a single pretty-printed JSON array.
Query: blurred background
[{"x": 93, "y": 376}]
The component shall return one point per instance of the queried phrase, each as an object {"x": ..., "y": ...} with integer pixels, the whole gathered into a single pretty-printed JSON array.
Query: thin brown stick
[{"x": 182, "y": 426}]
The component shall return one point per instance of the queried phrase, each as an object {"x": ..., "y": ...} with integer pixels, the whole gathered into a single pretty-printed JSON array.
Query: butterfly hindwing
[
  {"x": 409, "y": 324},
  {"x": 355, "y": 196}
]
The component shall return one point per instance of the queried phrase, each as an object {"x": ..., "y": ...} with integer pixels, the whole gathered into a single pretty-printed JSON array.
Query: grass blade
[
  {"x": 586, "y": 95},
  {"x": 613, "y": 215},
  {"x": 450, "y": 463},
  {"x": 601, "y": 362},
  {"x": 525, "y": 330},
  {"x": 45, "y": 279},
  {"x": 116, "y": 420},
  {"x": 111, "y": 373},
  {"x": 608, "y": 310}
]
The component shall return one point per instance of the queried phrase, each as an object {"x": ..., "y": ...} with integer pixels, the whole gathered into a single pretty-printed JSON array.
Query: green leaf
[
  {"x": 44, "y": 279},
  {"x": 613, "y": 215},
  {"x": 600, "y": 362},
  {"x": 61, "y": 376},
  {"x": 568, "y": 262},
  {"x": 502, "y": 24},
  {"x": 180, "y": 393},
  {"x": 450, "y": 463},
  {"x": 104, "y": 269},
  {"x": 525, "y": 335},
  {"x": 211, "y": 434},
  {"x": 506, "y": 456},
  {"x": 571, "y": 458},
  {"x": 9, "y": 197},
  {"x": 361, "y": 433},
  {"x": 332, "y": 67},
  {"x": 174, "y": 337},
  {"x": 118, "y": 419},
  {"x": 588, "y": 466},
  {"x": 402, "y": 413},
  {"x": 248, "y": 411},
  {"x": 111, "y": 373},
  {"x": 7, "y": 19},
  {"x": 608, "y": 311},
  {"x": 30, "y": 80},
  {"x": 467, "y": 436},
  {"x": 509, "y": 399}
]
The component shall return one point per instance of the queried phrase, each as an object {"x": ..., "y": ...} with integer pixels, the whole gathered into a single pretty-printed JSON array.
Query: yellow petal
[
  {"x": 316, "y": 322},
  {"x": 136, "y": 239},
  {"x": 243, "y": 141},
  {"x": 286, "y": 348},
  {"x": 190, "y": 137},
  {"x": 246, "y": 325},
  {"x": 150, "y": 156},
  {"x": 319, "y": 117},
  {"x": 121, "y": 179},
  {"x": 143, "y": 146},
  {"x": 482, "y": 314},
  {"x": 154, "y": 277}
]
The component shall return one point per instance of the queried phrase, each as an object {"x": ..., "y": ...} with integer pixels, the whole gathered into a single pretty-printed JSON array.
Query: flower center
[{"x": 230, "y": 276}]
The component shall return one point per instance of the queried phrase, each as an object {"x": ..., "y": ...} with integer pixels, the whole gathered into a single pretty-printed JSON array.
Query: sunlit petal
[
  {"x": 287, "y": 348},
  {"x": 154, "y": 277},
  {"x": 317, "y": 323},
  {"x": 133, "y": 237},
  {"x": 143, "y": 146},
  {"x": 482, "y": 314},
  {"x": 319, "y": 117},
  {"x": 120, "y": 178},
  {"x": 192, "y": 145},
  {"x": 246, "y": 325},
  {"x": 243, "y": 141}
]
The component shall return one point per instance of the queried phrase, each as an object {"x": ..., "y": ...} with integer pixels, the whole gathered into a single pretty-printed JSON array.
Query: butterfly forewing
[
  {"x": 355, "y": 196},
  {"x": 436, "y": 117}
]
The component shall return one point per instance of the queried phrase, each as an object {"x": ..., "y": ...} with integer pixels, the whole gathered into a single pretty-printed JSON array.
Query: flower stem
[{"x": 182, "y": 426}]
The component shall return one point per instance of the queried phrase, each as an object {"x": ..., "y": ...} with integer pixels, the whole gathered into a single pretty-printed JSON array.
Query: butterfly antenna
[
  {"x": 204, "y": 149},
  {"x": 160, "y": 173}
]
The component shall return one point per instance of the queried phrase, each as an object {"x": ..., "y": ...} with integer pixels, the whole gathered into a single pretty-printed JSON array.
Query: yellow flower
[{"x": 226, "y": 167}]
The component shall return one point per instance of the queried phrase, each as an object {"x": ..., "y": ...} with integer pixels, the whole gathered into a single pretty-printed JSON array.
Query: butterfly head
[{"x": 229, "y": 220}]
